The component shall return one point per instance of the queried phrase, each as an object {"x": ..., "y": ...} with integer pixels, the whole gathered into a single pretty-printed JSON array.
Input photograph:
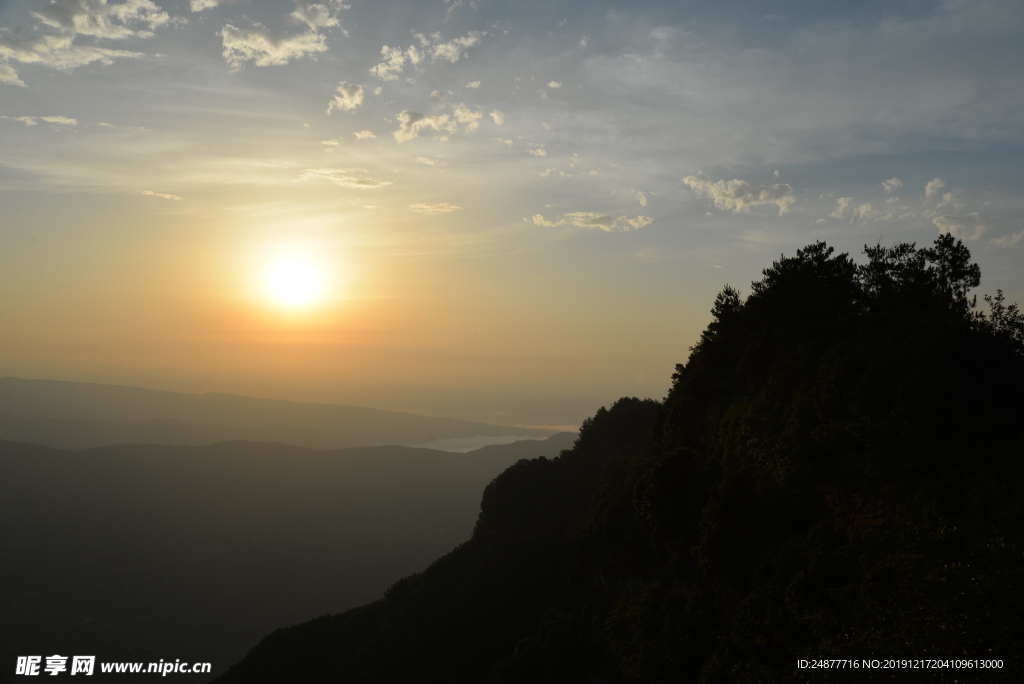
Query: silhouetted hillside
[
  {"x": 835, "y": 473},
  {"x": 195, "y": 552},
  {"x": 157, "y": 414}
]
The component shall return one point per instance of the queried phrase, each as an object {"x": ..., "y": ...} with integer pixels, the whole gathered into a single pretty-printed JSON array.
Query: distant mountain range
[
  {"x": 143, "y": 552},
  {"x": 72, "y": 415}
]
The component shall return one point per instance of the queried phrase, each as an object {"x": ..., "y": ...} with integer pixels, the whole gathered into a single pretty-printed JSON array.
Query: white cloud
[
  {"x": 159, "y": 194},
  {"x": 538, "y": 151},
  {"x": 431, "y": 208},
  {"x": 842, "y": 204},
  {"x": 395, "y": 58},
  {"x": 586, "y": 219},
  {"x": 437, "y": 97},
  {"x": 411, "y": 123},
  {"x": 863, "y": 212},
  {"x": 330, "y": 144},
  {"x": 506, "y": 141},
  {"x": 200, "y": 5},
  {"x": 554, "y": 84},
  {"x": 467, "y": 116},
  {"x": 364, "y": 135},
  {"x": 99, "y": 19},
  {"x": 378, "y": 90},
  {"x": 348, "y": 178},
  {"x": 891, "y": 185},
  {"x": 1008, "y": 240},
  {"x": 969, "y": 227},
  {"x": 641, "y": 198},
  {"x": 265, "y": 47},
  {"x": 62, "y": 21},
  {"x": 61, "y": 120},
  {"x": 740, "y": 195},
  {"x": 316, "y": 16},
  {"x": 473, "y": 84},
  {"x": 498, "y": 117},
  {"x": 27, "y": 120},
  {"x": 932, "y": 188},
  {"x": 350, "y": 96},
  {"x": 452, "y": 50},
  {"x": 428, "y": 161},
  {"x": 584, "y": 40}
]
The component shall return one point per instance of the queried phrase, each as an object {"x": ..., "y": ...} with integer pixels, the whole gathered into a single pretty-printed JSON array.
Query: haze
[{"x": 504, "y": 212}]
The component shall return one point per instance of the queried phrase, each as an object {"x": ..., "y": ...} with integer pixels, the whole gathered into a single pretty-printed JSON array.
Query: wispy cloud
[
  {"x": 411, "y": 123},
  {"x": 150, "y": 193},
  {"x": 62, "y": 21},
  {"x": 740, "y": 195},
  {"x": 350, "y": 96},
  {"x": 433, "y": 46},
  {"x": 587, "y": 219},
  {"x": 431, "y": 208},
  {"x": 348, "y": 178},
  {"x": 265, "y": 47},
  {"x": 968, "y": 227}
]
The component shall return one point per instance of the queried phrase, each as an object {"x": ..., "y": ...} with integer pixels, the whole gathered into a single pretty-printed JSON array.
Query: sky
[{"x": 504, "y": 211}]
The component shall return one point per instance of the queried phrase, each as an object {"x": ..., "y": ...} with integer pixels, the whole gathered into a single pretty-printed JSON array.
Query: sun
[{"x": 294, "y": 280}]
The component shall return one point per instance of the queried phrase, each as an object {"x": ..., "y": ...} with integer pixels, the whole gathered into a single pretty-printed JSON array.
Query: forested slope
[{"x": 835, "y": 473}]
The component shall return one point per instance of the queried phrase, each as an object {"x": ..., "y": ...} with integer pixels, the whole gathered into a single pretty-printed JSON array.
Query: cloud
[
  {"x": 266, "y": 47},
  {"x": 62, "y": 21},
  {"x": 465, "y": 115},
  {"x": 62, "y": 120},
  {"x": 739, "y": 195},
  {"x": 586, "y": 219},
  {"x": 498, "y": 117},
  {"x": 641, "y": 198},
  {"x": 200, "y": 5},
  {"x": 350, "y": 96},
  {"x": 506, "y": 141},
  {"x": 891, "y": 185},
  {"x": 437, "y": 97},
  {"x": 316, "y": 16},
  {"x": 969, "y": 227},
  {"x": 428, "y": 161},
  {"x": 538, "y": 151},
  {"x": 98, "y": 19},
  {"x": 863, "y": 212},
  {"x": 932, "y": 188},
  {"x": 1008, "y": 240},
  {"x": 27, "y": 120},
  {"x": 330, "y": 144},
  {"x": 452, "y": 50},
  {"x": 431, "y": 208},
  {"x": 473, "y": 84},
  {"x": 842, "y": 204},
  {"x": 395, "y": 58},
  {"x": 584, "y": 40},
  {"x": 159, "y": 194},
  {"x": 348, "y": 178},
  {"x": 554, "y": 84},
  {"x": 411, "y": 123},
  {"x": 364, "y": 135}
]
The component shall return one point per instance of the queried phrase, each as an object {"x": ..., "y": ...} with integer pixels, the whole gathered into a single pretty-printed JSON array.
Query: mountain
[
  {"x": 835, "y": 474},
  {"x": 148, "y": 552},
  {"x": 82, "y": 415}
]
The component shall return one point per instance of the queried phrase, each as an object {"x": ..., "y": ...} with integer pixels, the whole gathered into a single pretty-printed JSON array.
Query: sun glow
[{"x": 295, "y": 280}]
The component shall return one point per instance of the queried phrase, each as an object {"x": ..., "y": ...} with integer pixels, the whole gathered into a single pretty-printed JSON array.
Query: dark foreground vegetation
[{"x": 835, "y": 473}]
